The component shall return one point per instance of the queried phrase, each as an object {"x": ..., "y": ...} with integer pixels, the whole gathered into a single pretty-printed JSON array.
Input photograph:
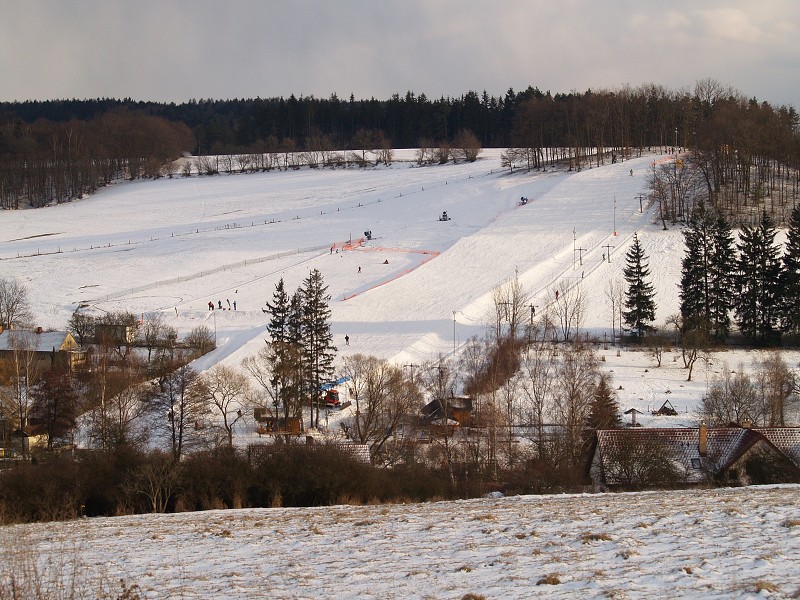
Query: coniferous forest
[{"x": 743, "y": 152}]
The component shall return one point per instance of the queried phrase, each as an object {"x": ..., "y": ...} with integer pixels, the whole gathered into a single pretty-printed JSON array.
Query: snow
[
  {"x": 171, "y": 246},
  {"x": 725, "y": 543}
]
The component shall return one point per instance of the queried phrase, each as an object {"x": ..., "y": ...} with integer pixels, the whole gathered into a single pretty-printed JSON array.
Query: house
[
  {"x": 115, "y": 333},
  {"x": 458, "y": 409},
  {"x": 656, "y": 457},
  {"x": 28, "y": 439},
  {"x": 51, "y": 348}
]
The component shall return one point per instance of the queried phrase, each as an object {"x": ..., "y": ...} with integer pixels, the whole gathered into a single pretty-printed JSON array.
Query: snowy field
[
  {"x": 725, "y": 543},
  {"x": 419, "y": 289},
  {"x": 424, "y": 287}
]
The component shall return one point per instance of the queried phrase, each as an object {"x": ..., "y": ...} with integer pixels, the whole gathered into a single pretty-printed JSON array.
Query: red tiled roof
[{"x": 724, "y": 446}]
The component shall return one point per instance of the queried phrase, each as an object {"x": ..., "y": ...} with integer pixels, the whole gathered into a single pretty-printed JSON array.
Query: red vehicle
[{"x": 332, "y": 398}]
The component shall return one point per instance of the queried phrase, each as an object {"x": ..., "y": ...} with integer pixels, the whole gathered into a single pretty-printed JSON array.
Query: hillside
[
  {"x": 727, "y": 543},
  {"x": 420, "y": 288}
]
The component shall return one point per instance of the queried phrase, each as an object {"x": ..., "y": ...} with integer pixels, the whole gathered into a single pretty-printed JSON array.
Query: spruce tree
[
  {"x": 757, "y": 299},
  {"x": 790, "y": 277},
  {"x": 706, "y": 275},
  {"x": 318, "y": 349},
  {"x": 279, "y": 314},
  {"x": 284, "y": 351},
  {"x": 603, "y": 410},
  {"x": 723, "y": 266},
  {"x": 640, "y": 307}
]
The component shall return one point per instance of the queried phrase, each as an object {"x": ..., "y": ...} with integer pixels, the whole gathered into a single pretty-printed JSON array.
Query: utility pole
[
  {"x": 411, "y": 366},
  {"x": 580, "y": 255},
  {"x": 615, "y": 216},
  {"x": 608, "y": 248},
  {"x": 573, "y": 248},
  {"x": 641, "y": 197}
]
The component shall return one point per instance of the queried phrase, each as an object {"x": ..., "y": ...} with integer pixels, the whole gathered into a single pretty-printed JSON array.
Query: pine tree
[
  {"x": 790, "y": 277},
  {"x": 706, "y": 276},
  {"x": 318, "y": 349},
  {"x": 757, "y": 298},
  {"x": 640, "y": 307}
]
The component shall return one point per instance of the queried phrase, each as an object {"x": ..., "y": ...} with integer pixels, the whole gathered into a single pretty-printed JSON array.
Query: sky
[{"x": 176, "y": 50}]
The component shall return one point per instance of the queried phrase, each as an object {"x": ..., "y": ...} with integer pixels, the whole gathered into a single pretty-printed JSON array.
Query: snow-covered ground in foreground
[
  {"x": 726, "y": 543},
  {"x": 420, "y": 288}
]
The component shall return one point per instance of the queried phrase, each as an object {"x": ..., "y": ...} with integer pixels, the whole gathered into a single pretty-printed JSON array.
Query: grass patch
[
  {"x": 587, "y": 537},
  {"x": 551, "y": 579}
]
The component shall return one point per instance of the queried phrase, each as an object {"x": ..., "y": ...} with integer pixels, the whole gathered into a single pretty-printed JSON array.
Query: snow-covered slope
[
  {"x": 727, "y": 543},
  {"x": 418, "y": 289}
]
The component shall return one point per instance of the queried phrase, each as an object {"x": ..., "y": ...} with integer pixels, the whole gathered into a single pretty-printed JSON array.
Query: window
[{"x": 695, "y": 463}]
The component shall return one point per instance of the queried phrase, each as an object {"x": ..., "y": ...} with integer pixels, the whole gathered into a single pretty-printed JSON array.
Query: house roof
[
  {"x": 434, "y": 407},
  {"x": 725, "y": 445},
  {"x": 45, "y": 341}
]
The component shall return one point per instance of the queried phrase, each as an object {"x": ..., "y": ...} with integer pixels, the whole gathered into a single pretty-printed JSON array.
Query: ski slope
[{"x": 414, "y": 293}]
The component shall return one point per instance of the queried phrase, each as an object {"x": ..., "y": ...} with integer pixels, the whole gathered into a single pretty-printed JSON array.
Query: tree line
[{"x": 743, "y": 148}]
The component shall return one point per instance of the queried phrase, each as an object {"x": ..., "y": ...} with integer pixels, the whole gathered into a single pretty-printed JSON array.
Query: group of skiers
[{"x": 219, "y": 305}]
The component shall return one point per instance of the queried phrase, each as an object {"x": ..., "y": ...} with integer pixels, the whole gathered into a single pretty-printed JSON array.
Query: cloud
[{"x": 185, "y": 49}]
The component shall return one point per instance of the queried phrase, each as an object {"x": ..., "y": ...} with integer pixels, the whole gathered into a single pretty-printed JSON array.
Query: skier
[
  {"x": 234, "y": 305},
  {"x": 229, "y": 303},
  {"x": 210, "y": 305},
  {"x": 359, "y": 269},
  {"x": 347, "y": 340},
  {"x": 219, "y": 304}
]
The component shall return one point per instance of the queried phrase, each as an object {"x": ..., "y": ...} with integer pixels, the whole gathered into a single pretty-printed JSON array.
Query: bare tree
[
  {"x": 615, "y": 295},
  {"x": 177, "y": 407},
  {"x": 15, "y": 310},
  {"x": 467, "y": 146},
  {"x": 538, "y": 369},
  {"x": 55, "y": 402},
  {"x": 24, "y": 371},
  {"x": 576, "y": 375},
  {"x": 201, "y": 340},
  {"x": 732, "y": 398},
  {"x": 383, "y": 399},
  {"x": 82, "y": 326},
  {"x": 775, "y": 386},
  {"x": 569, "y": 307},
  {"x": 229, "y": 392},
  {"x": 155, "y": 480},
  {"x": 156, "y": 334},
  {"x": 510, "y": 302},
  {"x": 639, "y": 459}
]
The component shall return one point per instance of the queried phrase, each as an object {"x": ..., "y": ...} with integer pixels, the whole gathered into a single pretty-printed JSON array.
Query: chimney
[
  {"x": 747, "y": 425},
  {"x": 703, "y": 439},
  {"x": 38, "y": 330}
]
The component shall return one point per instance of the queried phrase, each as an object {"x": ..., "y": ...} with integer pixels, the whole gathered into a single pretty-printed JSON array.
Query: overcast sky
[{"x": 175, "y": 50}]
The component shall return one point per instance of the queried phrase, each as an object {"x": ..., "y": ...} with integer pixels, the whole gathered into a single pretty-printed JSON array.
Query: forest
[{"x": 743, "y": 150}]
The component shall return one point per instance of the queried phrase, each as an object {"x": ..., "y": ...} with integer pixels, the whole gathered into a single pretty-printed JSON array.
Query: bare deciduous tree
[
  {"x": 15, "y": 310},
  {"x": 569, "y": 308},
  {"x": 383, "y": 399},
  {"x": 229, "y": 392}
]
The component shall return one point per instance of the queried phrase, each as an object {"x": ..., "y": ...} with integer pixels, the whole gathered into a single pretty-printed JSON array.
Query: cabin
[
  {"x": 115, "y": 333},
  {"x": 51, "y": 349},
  {"x": 458, "y": 409},
  {"x": 658, "y": 457}
]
